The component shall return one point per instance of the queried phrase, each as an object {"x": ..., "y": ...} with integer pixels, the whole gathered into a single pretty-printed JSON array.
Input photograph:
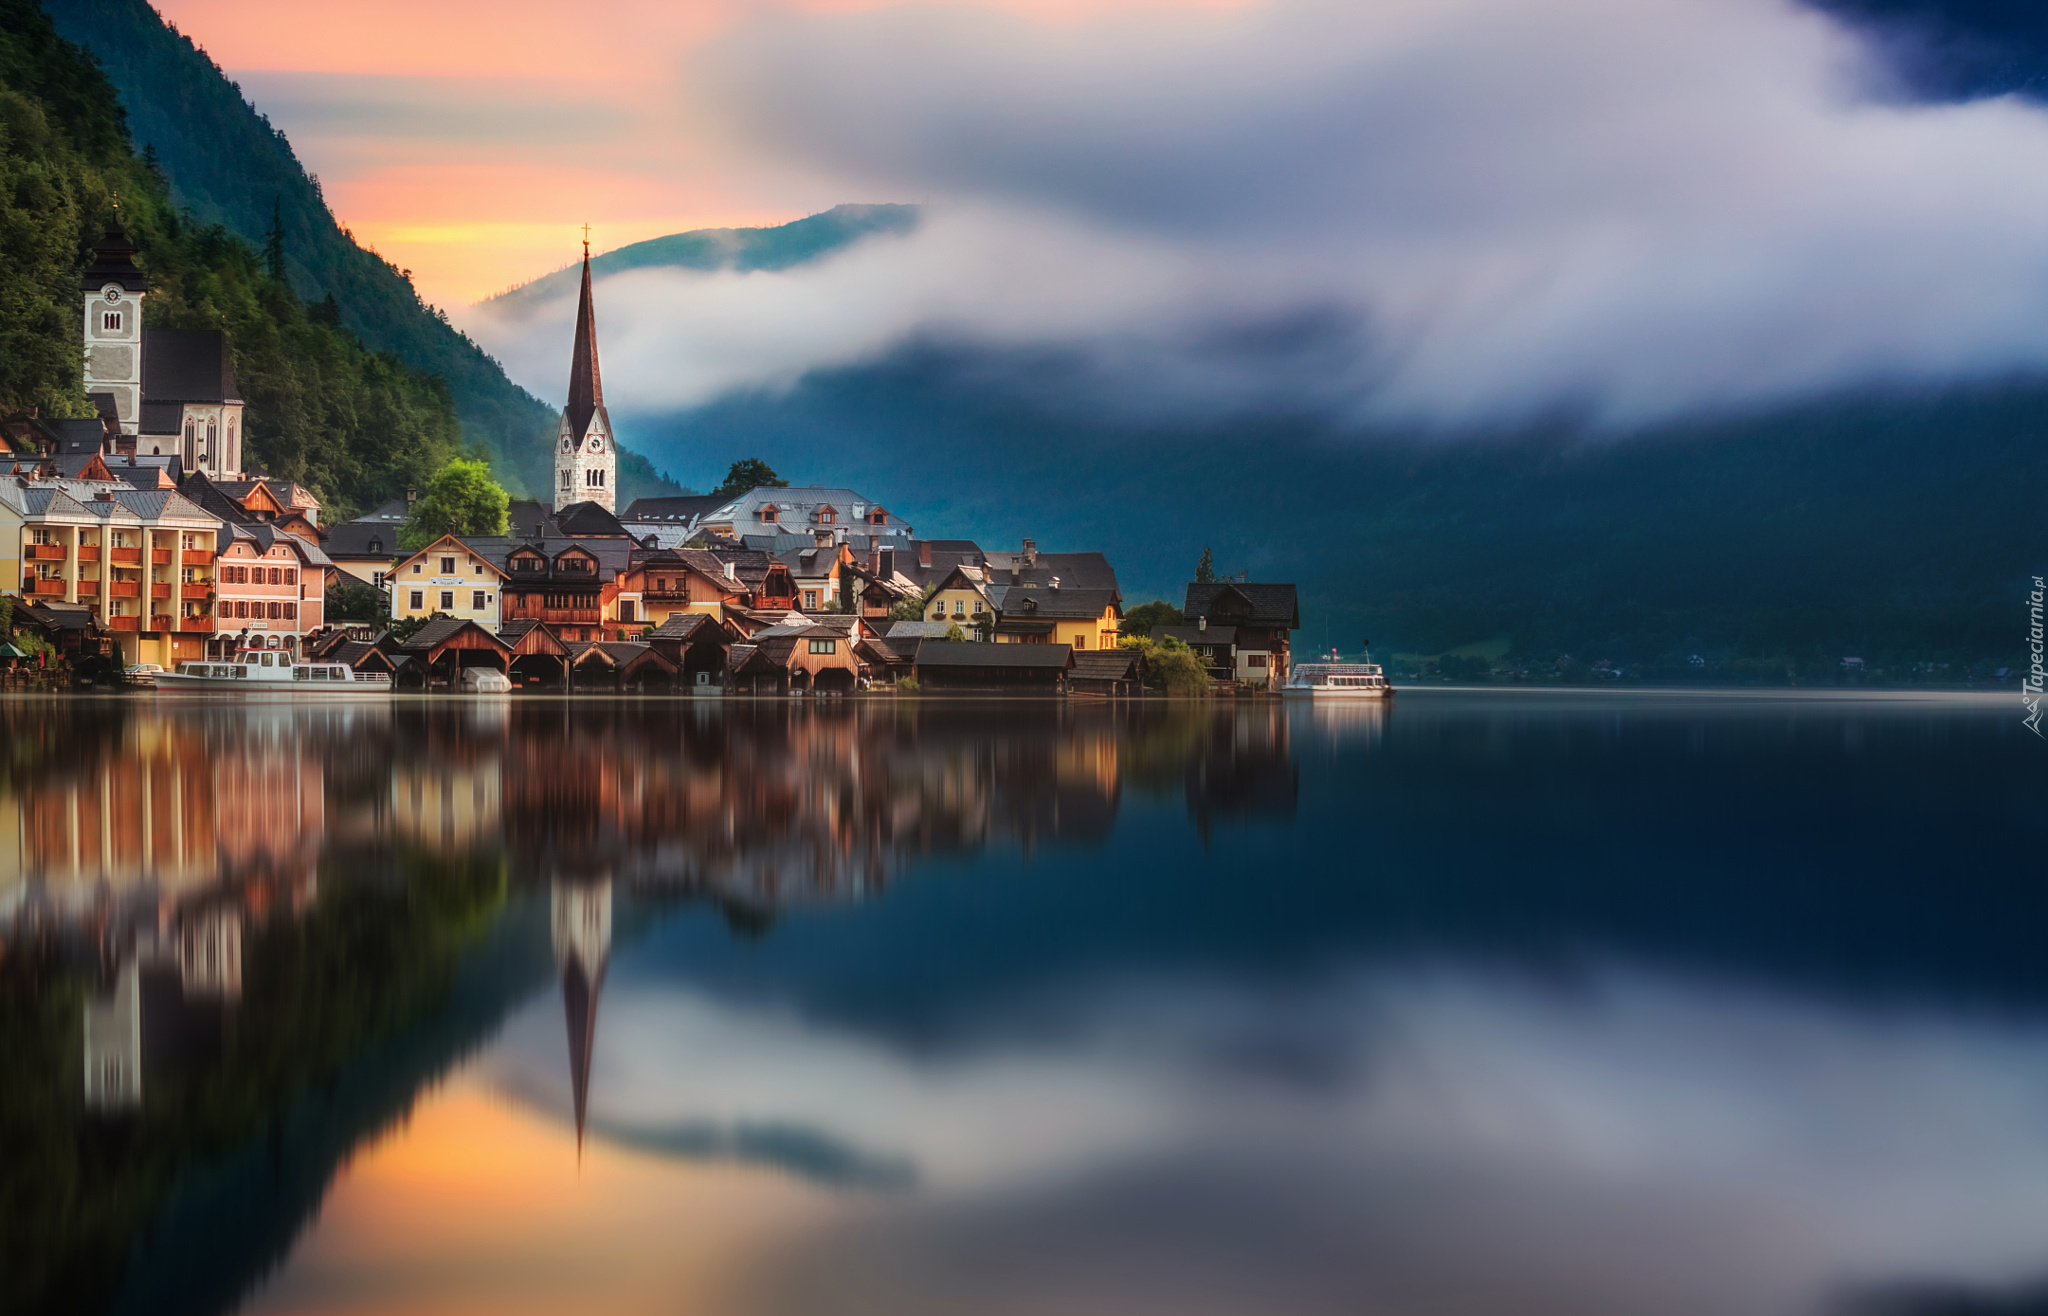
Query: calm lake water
[{"x": 1493, "y": 1002}]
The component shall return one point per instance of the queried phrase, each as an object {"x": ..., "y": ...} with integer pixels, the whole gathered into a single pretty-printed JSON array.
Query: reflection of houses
[{"x": 166, "y": 1006}]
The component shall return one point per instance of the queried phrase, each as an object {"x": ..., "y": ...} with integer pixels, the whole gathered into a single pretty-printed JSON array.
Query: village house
[
  {"x": 450, "y": 578},
  {"x": 139, "y": 561},
  {"x": 1054, "y": 613},
  {"x": 795, "y": 657},
  {"x": 1215, "y": 646},
  {"x": 366, "y": 549},
  {"x": 1262, "y": 619},
  {"x": 268, "y": 583}
]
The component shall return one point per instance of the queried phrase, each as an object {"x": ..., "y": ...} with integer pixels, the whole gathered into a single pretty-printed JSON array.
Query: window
[
  {"x": 824, "y": 646},
  {"x": 959, "y": 607},
  {"x": 565, "y": 474},
  {"x": 376, "y": 546},
  {"x": 1080, "y": 641},
  {"x": 416, "y": 567},
  {"x": 767, "y": 511},
  {"x": 241, "y": 608},
  {"x": 223, "y": 608},
  {"x": 977, "y": 607},
  {"x": 1255, "y": 660},
  {"x": 291, "y": 575},
  {"x": 110, "y": 322},
  {"x": 291, "y": 612},
  {"x": 212, "y": 429},
  {"x": 419, "y": 599},
  {"x": 45, "y": 537},
  {"x": 277, "y": 576},
  {"x": 447, "y": 600},
  {"x": 476, "y": 568},
  {"x": 275, "y": 614},
  {"x": 191, "y": 430},
  {"x": 810, "y": 598},
  {"x": 447, "y": 566},
  {"x": 826, "y": 515},
  {"x": 625, "y": 610},
  {"x": 476, "y": 600},
  {"x": 376, "y": 580}
]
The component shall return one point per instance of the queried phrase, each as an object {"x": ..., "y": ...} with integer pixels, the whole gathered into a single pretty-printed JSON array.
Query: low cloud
[
  {"x": 1440, "y": 1140},
  {"x": 1453, "y": 213}
]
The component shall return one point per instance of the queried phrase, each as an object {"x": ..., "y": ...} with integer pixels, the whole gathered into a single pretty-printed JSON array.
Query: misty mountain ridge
[{"x": 777, "y": 247}]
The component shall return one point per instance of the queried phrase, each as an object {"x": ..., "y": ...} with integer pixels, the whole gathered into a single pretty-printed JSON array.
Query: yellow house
[
  {"x": 962, "y": 597},
  {"x": 446, "y": 577},
  {"x": 1047, "y": 614}
]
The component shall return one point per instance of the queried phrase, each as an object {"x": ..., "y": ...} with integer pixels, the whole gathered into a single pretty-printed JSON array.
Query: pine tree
[
  {"x": 1205, "y": 570},
  {"x": 273, "y": 242}
]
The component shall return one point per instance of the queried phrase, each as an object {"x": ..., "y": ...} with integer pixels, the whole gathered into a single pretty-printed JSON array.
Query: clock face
[
  {"x": 567, "y": 443},
  {"x": 596, "y": 445},
  {"x": 112, "y": 292}
]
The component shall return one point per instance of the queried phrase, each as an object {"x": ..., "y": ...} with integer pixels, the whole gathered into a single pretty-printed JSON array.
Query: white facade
[
  {"x": 586, "y": 464},
  {"x": 113, "y": 350}
]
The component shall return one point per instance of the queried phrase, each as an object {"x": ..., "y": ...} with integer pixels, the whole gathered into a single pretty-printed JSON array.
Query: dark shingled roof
[
  {"x": 187, "y": 365},
  {"x": 113, "y": 261},
  {"x": 1026, "y": 603},
  {"x": 1074, "y": 570},
  {"x": 1105, "y": 665},
  {"x": 352, "y": 539},
  {"x": 76, "y": 436},
  {"x": 163, "y": 420},
  {"x": 1270, "y": 605},
  {"x": 683, "y": 625},
  {"x": 580, "y": 519},
  {"x": 954, "y": 653},
  {"x": 434, "y": 632}
]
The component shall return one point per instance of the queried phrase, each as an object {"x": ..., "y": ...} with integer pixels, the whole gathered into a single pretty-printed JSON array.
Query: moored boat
[
  {"x": 1337, "y": 681},
  {"x": 272, "y": 672}
]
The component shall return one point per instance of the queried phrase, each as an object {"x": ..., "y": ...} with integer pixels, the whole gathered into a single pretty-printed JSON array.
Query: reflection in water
[{"x": 1478, "y": 1005}]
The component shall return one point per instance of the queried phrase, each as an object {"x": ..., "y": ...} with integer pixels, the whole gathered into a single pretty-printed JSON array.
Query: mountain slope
[
  {"x": 227, "y": 165},
  {"x": 355, "y": 426},
  {"x": 782, "y": 247}
]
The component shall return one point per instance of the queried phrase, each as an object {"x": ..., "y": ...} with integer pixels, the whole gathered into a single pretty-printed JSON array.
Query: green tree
[
  {"x": 749, "y": 473},
  {"x": 954, "y": 634},
  {"x": 1140, "y": 620},
  {"x": 462, "y": 500},
  {"x": 908, "y": 610},
  {"x": 1170, "y": 666},
  {"x": 354, "y": 601},
  {"x": 1205, "y": 570},
  {"x": 273, "y": 243}
]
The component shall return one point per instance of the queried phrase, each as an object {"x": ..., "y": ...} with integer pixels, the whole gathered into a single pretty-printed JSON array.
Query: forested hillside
[
  {"x": 354, "y": 425},
  {"x": 226, "y": 165}
]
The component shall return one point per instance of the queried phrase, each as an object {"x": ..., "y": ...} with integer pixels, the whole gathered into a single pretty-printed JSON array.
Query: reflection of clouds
[{"x": 1433, "y": 1142}]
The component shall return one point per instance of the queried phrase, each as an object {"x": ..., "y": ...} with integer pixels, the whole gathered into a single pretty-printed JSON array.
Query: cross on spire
[{"x": 586, "y": 241}]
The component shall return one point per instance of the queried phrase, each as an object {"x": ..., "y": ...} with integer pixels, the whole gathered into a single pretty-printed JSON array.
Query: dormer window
[
  {"x": 878, "y": 517},
  {"x": 376, "y": 546},
  {"x": 826, "y": 516},
  {"x": 767, "y": 511}
]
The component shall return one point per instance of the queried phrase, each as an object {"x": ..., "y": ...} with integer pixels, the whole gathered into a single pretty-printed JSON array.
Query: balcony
[
  {"x": 44, "y": 552},
  {"x": 128, "y": 555},
  {"x": 196, "y": 589},
  {"x": 159, "y": 591},
  {"x": 198, "y": 557},
  {"x": 124, "y": 623},
  {"x": 203, "y": 624},
  {"x": 161, "y": 622},
  {"x": 160, "y": 556},
  {"x": 559, "y": 616},
  {"x": 51, "y": 586},
  {"x": 88, "y": 552}
]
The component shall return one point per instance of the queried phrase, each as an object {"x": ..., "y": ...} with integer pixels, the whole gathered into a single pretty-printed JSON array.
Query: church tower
[
  {"x": 586, "y": 460},
  {"x": 114, "y": 289}
]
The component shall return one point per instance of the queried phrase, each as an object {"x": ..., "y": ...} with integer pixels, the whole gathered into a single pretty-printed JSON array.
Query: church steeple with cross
[{"x": 586, "y": 458}]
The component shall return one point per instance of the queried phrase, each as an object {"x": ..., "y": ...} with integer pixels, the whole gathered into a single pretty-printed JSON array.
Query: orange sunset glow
[
  {"x": 381, "y": 98},
  {"x": 478, "y": 1206}
]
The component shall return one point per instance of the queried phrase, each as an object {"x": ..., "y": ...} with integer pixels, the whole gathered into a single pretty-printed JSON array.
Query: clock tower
[
  {"x": 114, "y": 289},
  {"x": 586, "y": 458}
]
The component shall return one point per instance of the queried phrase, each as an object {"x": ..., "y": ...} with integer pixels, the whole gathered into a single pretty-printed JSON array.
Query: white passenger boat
[
  {"x": 1337, "y": 681},
  {"x": 272, "y": 672}
]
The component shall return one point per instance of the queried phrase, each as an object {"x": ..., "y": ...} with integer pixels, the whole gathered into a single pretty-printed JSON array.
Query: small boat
[
  {"x": 272, "y": 672},
  {"x": 1337, "y": 681}
]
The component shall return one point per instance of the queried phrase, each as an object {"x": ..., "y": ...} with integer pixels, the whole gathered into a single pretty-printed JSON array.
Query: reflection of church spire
[{"x": 582, "y": 926}]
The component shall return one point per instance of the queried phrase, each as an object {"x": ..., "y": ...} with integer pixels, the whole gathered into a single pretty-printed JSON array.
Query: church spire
[{"x": 586, "y": 390}]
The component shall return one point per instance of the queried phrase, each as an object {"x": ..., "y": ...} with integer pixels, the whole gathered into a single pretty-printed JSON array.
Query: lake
[{"x": 1492, "y": 1002}]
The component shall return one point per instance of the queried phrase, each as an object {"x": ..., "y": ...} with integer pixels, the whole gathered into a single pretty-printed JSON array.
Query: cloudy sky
[{"x": 1445, "y": 212}]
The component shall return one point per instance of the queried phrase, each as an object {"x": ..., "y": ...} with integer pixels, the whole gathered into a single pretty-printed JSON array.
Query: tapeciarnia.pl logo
[{"x": 2030, "y": 690}]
